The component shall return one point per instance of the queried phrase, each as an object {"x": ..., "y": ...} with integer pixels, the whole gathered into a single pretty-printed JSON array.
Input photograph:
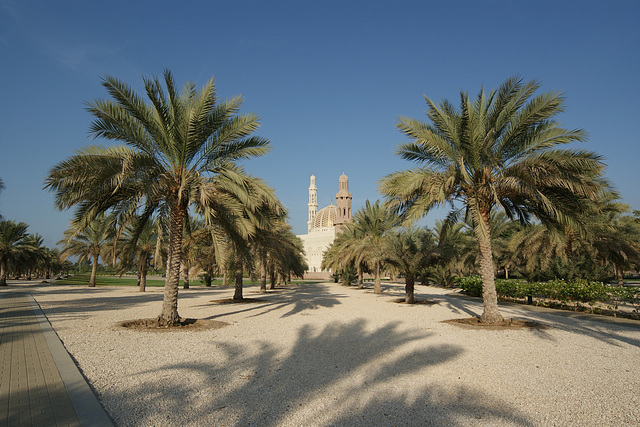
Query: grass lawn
[{"x": 83, "y": 280}]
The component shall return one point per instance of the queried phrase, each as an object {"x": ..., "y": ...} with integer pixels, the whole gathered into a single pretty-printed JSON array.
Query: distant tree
[
  {"x": 410, "y": 251},
  {"x": 89, "y": 242},
  {"x": 372, "y": 225},
  {"x": 14, "y": 247},
  {"x": 140, "y": 245},
  {"x": 457, "y": 253},
  {"x": 338, "y": 257},
  {"x": 1, "y": 188},
  {"x": 35, "y": 256},
  {"x": 615, "y": 238},
  {"x": 498, "y": 151}
]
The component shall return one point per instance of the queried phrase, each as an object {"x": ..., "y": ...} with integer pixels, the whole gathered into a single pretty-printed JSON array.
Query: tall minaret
[
  {"x": 313, "y": 202},
  {"x": 343, "y": 202}
]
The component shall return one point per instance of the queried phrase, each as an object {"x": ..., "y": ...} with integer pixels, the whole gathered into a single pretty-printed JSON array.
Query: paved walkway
[{"x": 40, "y": 384}]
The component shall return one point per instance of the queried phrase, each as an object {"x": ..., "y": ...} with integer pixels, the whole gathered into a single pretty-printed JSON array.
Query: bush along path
[{"x": 599, "y": 298}]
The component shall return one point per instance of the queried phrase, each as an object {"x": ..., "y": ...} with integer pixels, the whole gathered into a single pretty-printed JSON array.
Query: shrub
[{"x": 471, "y": 285}]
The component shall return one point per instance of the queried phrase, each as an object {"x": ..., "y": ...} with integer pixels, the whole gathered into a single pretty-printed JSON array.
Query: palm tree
[
  {"x": 1, "y": 188},
  {"x": 534, "y": 247},
  {"x": 52, "y": 263},
  {"x": 14, "y": 247},
  {"x": 180, "y": 151},
  {"x": 338, "y": 257},
  {"x": 456, "y": 253},
  {"x": 498, "y": 151},
  {"x": 286, "y": 256},
  {"x": 141, "y": 245},
  {"x": 371, "y": 224},
  {"x": 89, "y": 242},
  {"x": 410, "y": 251},
  {"x": 615, "y": 238},
  {"x": 36, "y": 255}
]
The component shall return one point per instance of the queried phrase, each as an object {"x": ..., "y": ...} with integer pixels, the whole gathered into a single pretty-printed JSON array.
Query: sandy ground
[{"x": 324, "y": 354}]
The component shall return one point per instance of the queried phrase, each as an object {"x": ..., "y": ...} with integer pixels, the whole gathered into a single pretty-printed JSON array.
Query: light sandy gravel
[{"x": 329, "y": 355}]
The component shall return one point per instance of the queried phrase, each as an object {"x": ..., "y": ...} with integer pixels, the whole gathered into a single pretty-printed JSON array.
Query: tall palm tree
[
  {"x": 410, "y": 251},
  {"x": 180, "y": 151},
  {"x": 498, "y": 151},
  {"x": 89, "y": 242},
  {"x": 14, "y": 247}
]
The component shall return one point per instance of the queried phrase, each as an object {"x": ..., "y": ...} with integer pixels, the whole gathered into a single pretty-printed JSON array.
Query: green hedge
[{"x": 577, "y": 291}]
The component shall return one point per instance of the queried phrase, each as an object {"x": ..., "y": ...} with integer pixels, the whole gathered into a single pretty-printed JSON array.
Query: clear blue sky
[{"x": 328, "y": 79}]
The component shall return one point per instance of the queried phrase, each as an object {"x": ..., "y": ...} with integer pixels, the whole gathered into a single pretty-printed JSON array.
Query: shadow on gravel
[
  {"x": 97, "y": 299},
  {"x": 343, "y": 374},
  {"x": 602, "y": 328},
  {"x": 296, "y": 298}
]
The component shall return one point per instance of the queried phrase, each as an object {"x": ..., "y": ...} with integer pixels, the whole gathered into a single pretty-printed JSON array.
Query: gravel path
[{"x": 329, "y": 355}]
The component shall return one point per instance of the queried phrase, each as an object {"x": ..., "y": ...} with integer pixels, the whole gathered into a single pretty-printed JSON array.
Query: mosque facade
[{"x": 323, "y": 225}]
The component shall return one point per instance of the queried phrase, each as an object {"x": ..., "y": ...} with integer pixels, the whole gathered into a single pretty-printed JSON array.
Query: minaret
[
  {"x": 343, "y": 202},
  {"x": 313, "y": 202}
]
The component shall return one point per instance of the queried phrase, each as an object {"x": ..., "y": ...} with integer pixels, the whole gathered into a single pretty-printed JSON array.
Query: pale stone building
[{"x": 324, "y": 224}]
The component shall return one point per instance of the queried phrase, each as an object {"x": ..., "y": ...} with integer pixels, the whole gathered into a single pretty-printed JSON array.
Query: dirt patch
[
  {"x": 514, "y": 323},
  {"x": 233, "y": 301},
  {"x": 416, "y": 302},
  {"x": 184, "y": 325}
]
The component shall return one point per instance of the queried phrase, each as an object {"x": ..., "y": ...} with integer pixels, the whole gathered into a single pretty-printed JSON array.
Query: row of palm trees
[
  {"x": 179, "y": 158},
  {"x": 274, "y": 254},
  {"x": 23, "y": 254},
  {"x": 375, "y": 242},
  {"x": 497, "y": 152}
]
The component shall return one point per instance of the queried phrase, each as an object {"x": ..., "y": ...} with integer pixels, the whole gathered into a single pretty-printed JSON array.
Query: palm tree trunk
[
  {"x": 272, "y": 277},
  {"x": 409, "y": 288},
  {"x": 3, "y": 273},
  {"x": 377, "y": 287},
  {"x": 169, "y": 314},
  {"x": 185, "y": 273},
  {"x": 224, "y": 277},
  {"x": 491, "y": 314},
  {"x": 94, "y": 272},
  {"x": 237, "y": 295},
  {"x": 620, "y": 274},
  {"x": 143, "y": 275},
  {"x": 360, "y": 276},
  {"x": 263, "y": 271}
]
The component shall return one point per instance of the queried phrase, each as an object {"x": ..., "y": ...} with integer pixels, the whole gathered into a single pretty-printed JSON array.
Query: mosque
[{"x": 326, "y": 223}]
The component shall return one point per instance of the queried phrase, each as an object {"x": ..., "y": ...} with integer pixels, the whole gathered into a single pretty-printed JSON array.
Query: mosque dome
[{"x": 326, "y": 217}]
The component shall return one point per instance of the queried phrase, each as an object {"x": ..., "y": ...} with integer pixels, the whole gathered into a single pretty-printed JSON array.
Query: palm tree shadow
[
  {"x": 296, "y": 298},
  {"x": 602, "y": 328},
  {"x": 328, "y": 376}
]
